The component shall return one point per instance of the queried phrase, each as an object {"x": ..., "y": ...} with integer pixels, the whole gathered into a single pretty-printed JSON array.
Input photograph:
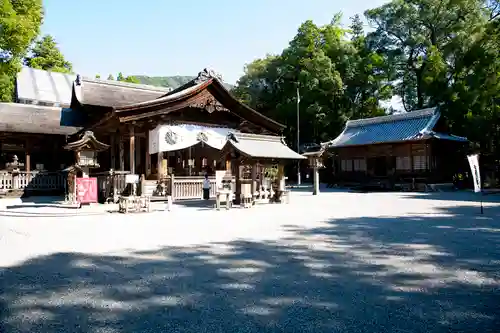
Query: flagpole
[
  {"x": 482, "y": 212},
  {"x": 298, "y": 134}
]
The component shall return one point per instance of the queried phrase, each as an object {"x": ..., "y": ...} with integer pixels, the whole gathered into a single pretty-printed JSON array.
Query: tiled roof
[
  {"x": 17, "y": 117},
  {"x": 415, "y": 125},
  {"x": 262, "y": 146}
]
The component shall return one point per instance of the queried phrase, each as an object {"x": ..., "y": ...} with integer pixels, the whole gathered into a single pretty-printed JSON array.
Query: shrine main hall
[{"x": 169, "y": 137}]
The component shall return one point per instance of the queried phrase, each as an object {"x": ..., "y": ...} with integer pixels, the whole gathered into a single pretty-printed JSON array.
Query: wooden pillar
[
  {"x": 190, "y": 165},
  {"x": 160, "y": 166},
  {"x": 411, "y": 156},
  {"x": 132, "y": 149},
  {"x": 147, "y": 168},
  {"x": 237, "y": 191},
  {"x": 122, "y": 153},
  {"x": 281, "y": 177},
  {"x": 254, "y": 177},
  {"x": 138, "y": 154},
  {"x": 27, "y": 160},
  {"x": 112, "y": 152}
]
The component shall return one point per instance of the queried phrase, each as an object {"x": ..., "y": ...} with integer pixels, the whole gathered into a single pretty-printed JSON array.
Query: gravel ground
[{"x": 338, "y": 262}]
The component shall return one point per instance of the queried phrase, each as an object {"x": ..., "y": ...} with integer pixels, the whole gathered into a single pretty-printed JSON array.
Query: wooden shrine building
[
  {"x": 401, "y": 148},
  {"x": 171, "y": 138}
]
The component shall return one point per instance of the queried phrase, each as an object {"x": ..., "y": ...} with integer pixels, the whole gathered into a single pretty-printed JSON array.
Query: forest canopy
[{"x": 427, "y": 53}]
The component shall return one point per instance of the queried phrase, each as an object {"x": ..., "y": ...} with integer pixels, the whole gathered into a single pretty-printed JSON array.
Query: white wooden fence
[{"x": 33, "y": 181}]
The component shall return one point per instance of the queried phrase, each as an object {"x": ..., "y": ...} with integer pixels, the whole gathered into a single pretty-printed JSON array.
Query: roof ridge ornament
[{"x": 207, "y": 74}]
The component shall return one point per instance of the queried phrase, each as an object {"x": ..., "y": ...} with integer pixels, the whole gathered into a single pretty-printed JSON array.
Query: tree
[
  {"x": 130, "y": 79},
  {"x": 46, "y": 55},
  {"x": 110, "y": 77},
  {"x": 445, "y": 52},
  {"x": 422, "y": 39},
  {"x": 97, "y": 76},
  {"x": 338, "y": 78},
  {"x": 20, "y": 22}
]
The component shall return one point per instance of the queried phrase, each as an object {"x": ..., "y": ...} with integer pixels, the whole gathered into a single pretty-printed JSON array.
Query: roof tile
[{"x": 393, "y": 128}]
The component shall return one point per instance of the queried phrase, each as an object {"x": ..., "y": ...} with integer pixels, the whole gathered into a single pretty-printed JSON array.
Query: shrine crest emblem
[
  {"x": 171, "y": 137},
  {"x": 202, "y": 137}
]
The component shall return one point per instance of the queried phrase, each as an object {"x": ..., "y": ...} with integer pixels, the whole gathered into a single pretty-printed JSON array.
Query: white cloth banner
[
  {"x": 176, "y": 137},
  {"x": 474, "y": 167}
]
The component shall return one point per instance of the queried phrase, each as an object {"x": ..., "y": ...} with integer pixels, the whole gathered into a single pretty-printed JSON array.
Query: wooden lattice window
[
  {"x": 420, "y": 162},
  {"x": 403, "y": 163},
  {"x": 359, "y": 164},
  {"x": 346, "y": 165}
]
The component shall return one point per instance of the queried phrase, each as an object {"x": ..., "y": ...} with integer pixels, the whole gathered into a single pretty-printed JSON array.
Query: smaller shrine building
[{"x": 404, "y": 148}]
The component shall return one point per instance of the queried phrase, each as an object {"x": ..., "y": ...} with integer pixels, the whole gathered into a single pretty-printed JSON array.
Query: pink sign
[{"x": 86, "y": 190}]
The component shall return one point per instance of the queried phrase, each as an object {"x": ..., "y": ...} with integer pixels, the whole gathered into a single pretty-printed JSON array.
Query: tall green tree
[
  {"x": 110, "y": 77},
  {"x": 444, "y": 52},
  {"x": 337, "y": 75},
  {"x": 20, "y": 22},
  {"x": 46, "y": 55},
  {"x": 422, "y": 39}
]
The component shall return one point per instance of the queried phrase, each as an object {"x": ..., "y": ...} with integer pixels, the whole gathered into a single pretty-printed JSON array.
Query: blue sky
[{"x": 165, "y": 37}]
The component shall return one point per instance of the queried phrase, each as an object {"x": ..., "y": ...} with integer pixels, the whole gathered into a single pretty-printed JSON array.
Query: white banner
[
  {"x": 176, "y": 137},
  {"x": 474, "y": 167}
]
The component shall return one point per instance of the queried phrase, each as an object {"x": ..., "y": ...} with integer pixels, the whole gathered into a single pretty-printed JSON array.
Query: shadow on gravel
[
  {"x": 412, "y": 274},
  {"x": 465, "y": 196}
]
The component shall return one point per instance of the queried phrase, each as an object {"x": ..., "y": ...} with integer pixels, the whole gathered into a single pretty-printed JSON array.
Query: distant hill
[{"x": 170, "y": 81}]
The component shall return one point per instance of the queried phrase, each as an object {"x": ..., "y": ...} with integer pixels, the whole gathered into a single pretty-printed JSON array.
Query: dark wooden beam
[{"x": 132, "y": 148}]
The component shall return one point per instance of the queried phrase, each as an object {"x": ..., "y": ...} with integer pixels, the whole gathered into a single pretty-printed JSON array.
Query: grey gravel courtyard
[{"x": 339, "y": 262}]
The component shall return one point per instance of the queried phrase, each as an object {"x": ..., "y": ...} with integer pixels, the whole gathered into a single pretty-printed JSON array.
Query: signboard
[
  {"x": 474, "y": 167},
  {"x": 86, "y": 190}
]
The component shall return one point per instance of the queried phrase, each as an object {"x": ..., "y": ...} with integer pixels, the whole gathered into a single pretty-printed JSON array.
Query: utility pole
[{"x": 298, "y": 134}]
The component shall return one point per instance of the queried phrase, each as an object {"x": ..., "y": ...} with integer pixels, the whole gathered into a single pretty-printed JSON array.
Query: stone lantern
[
  {"x": 315, "y": 159},
  {"x": 14, "y": 168},
  {"x": 86, "y": 150}
]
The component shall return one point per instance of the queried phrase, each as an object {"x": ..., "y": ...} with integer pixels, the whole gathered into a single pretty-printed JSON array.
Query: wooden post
[
  {"x": 132, "y": 149},
  {"x": 237, "y": 191},
  {"x": 160, "y": 166},
  {"x": 148, "y": 156},
  {"x": 410, "y": 148},
  {"x": 27, "y": 163},
  {"x": 281, "y": 177},
  {"x": 138, "y": 154},
  {"x": 254, "y": 178},
  {"x": 122, "y": 154},
  {"x": 112, "y": 143},
  {"x": 172, "y": 181},
  {"x": 190, "y": 167}
]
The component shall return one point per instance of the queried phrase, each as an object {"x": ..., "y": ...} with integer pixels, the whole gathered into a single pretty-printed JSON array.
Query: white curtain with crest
[{"x": 182, "y": 136}]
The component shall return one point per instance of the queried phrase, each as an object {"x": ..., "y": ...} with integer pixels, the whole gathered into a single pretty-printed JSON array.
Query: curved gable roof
[{"x": 207, "y": 80}]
